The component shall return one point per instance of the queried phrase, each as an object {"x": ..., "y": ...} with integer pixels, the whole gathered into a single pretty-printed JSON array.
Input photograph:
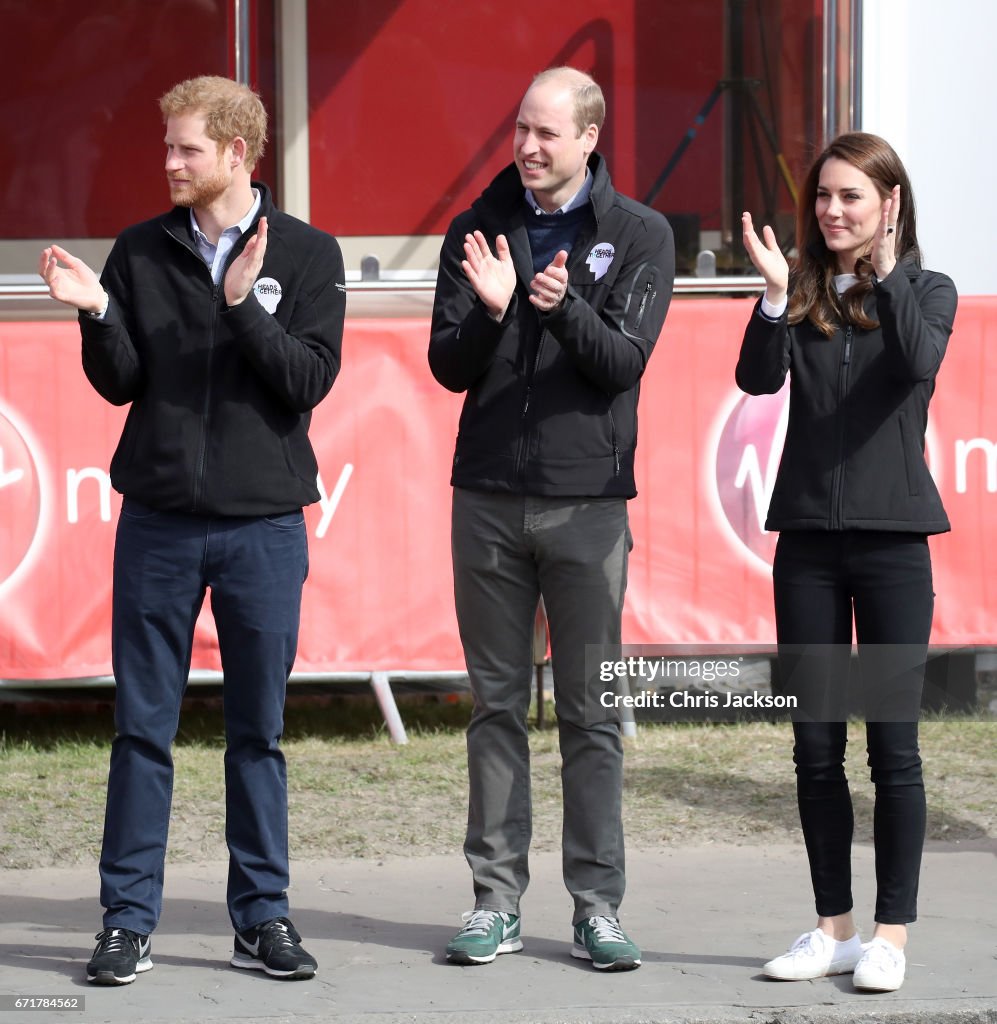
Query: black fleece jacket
[
  {"x": 551, "y": 406},
  {"x": 858, "y": 409},
  {"x": 220, "y": 396}
]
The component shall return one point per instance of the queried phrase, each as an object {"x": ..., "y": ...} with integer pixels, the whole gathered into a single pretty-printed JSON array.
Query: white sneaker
[
  {"x": 882, "y": 967},
  {"x": 815, "y": 955}
]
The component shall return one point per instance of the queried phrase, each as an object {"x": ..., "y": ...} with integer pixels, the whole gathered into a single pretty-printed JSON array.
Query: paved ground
[{"x": 707, "y": 919}]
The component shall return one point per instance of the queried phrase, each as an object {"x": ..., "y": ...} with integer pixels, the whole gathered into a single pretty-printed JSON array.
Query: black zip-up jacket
[
  {"x": 221, "y": 397},
  {"x": 551, "y": 406},
  {"x": 858, "y": 409}
]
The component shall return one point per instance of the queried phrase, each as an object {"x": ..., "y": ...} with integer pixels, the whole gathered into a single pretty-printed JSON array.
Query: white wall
[{"x": 928, "y": 69}]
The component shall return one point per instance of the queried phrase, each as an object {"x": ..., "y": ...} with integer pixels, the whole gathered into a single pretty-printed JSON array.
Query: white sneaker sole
[
  {"x": 870, "y": 985},
  {"x": 110, "y": 978},
  {"x": 465, "y": 959},
  {"x": 248, "y": 963},
  {"x": 833, "y": 970},
  {"x": 878, "y": 988},
  {"x": 623, "y": 963}
]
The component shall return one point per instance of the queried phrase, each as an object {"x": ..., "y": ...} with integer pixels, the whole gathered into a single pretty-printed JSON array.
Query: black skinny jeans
[{"x": 884, "y": 578}]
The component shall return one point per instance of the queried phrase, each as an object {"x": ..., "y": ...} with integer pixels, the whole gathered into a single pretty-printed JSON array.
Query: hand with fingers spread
[
  {"x": 550, "y": 287},
  {"x": 884, "y": 242},
  {"x": 242, "y": 274},
  {"x": 493, "y": 277},
  {"x": 75, "y": 283},
  {"x": 768, "y": 260}
]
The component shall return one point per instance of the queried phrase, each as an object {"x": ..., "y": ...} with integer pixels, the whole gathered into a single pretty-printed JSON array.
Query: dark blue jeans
[
  {"x": 883, "y": 579},
  {"x": 163, "y": 563}
]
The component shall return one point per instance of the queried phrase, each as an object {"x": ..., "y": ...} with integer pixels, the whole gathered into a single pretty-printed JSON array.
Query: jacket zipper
[
  {"x": 837, "y": 484},
  {"x": 523, "y": 433},
  {"x": 643, "y": 304},
  {"x": 616, "y": 447},
  {"x": 215, "y": 294},
  {"x": 203, "y": 448}
]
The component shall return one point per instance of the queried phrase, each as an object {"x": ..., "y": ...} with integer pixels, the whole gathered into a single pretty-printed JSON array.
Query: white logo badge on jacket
[
  {"x": 269, "y": 292},
  {"x": 599, "y": 258}
]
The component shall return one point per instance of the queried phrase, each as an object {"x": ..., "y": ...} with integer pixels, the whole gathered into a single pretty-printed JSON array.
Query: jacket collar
[
  {"x": 177, "y": 220},
  {"x": 505, "y": 196},
  {"x": 502, "y": 209}
]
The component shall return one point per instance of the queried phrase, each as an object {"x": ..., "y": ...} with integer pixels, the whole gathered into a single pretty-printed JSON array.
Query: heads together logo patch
[
  {"x": 599, "y": 258},
  {"x": 20, "y": 498},
  {"x": 269, "y": 292}
]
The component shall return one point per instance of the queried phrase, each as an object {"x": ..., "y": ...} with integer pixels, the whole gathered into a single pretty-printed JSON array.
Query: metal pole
[
  {"x": 381, "y": 685},
  {"x": 292, "y": 138},
  {"x": 734, "y": 121},
  {"x": 855, "y": 85},
  {"x": 241, "y": 14},
  {"x": 830, "y": 76}
]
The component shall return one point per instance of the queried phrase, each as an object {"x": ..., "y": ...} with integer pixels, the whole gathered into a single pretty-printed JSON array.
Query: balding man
[{"x": 552, "y": 291}]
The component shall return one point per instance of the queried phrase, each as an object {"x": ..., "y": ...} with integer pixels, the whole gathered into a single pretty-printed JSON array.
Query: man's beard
[{"x": 200, "y": 192}]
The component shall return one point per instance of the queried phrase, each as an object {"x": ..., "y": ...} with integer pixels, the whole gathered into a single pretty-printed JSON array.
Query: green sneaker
[
  {"x": 486, "y": 934},
  {"x": 605, "y": 943}
]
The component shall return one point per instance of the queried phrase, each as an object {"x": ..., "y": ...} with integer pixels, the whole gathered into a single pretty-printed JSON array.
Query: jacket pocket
[
  {"x": 641, "y": 299},
  {"x": 913, "y": 459},
  {"x": 124, "y": 455}
]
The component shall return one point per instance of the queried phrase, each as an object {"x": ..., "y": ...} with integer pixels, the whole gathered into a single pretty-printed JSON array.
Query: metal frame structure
[{"x": 399, "y": 293}]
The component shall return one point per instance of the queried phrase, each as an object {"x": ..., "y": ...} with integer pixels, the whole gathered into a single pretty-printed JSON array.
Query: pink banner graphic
[{"x": 379, "y": 593}]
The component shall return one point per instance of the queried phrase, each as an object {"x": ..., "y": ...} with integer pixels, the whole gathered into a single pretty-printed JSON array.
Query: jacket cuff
[
  {"x": 245, "y": 314},
  {"x": 891, "y": 277},
  {"x": 508, "y": 316}
]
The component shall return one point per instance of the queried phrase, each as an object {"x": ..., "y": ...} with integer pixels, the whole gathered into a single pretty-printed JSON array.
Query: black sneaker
[
  {"x": 274, "y": 947},
  {"x": 120, "y": 955}
]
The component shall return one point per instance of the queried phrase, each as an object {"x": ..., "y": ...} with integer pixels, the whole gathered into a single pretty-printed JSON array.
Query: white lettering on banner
[
  {"x": 962, "y": 453},
  {"x": 330, "y": 502},
  {"x": 74, "y": 477},
  {"x": 6, "y": 479}
]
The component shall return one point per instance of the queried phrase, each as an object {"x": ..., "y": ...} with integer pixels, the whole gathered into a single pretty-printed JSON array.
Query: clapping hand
[
  {"x": 75, "y": 284},
  {"x": 550, "y": 287},
  {"x": 884, "y": 241},
  {"x": 768, "y": 260},
  {"x": 492, "y": 277},
  {"x": 242, "y": 274}
]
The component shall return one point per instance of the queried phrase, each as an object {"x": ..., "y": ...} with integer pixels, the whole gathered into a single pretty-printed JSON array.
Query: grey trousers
[{"x": 507, "y": 551}]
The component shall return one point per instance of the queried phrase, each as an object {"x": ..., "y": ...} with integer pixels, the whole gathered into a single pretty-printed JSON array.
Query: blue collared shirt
[
  {"x": 580, "y": 197},
  {"x": 216, "y": 255}
]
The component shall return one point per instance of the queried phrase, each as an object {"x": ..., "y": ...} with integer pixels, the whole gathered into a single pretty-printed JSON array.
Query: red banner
[{"x": 379, "y": 593}]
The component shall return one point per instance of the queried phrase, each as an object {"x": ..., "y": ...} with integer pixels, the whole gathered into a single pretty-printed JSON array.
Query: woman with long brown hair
[{"x": 861, "y": 329}]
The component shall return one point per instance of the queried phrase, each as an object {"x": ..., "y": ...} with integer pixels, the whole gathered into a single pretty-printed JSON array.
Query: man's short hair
[
  {"x": 229, "y": 109},
  {"x": 589, "y": 103}
]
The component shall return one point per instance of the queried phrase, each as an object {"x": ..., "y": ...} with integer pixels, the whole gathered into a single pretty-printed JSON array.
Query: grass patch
[{"x": 355, "y": 794}]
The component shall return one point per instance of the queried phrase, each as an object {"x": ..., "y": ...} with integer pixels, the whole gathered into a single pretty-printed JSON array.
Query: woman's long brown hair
[{"x": 812, "y": 293}]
